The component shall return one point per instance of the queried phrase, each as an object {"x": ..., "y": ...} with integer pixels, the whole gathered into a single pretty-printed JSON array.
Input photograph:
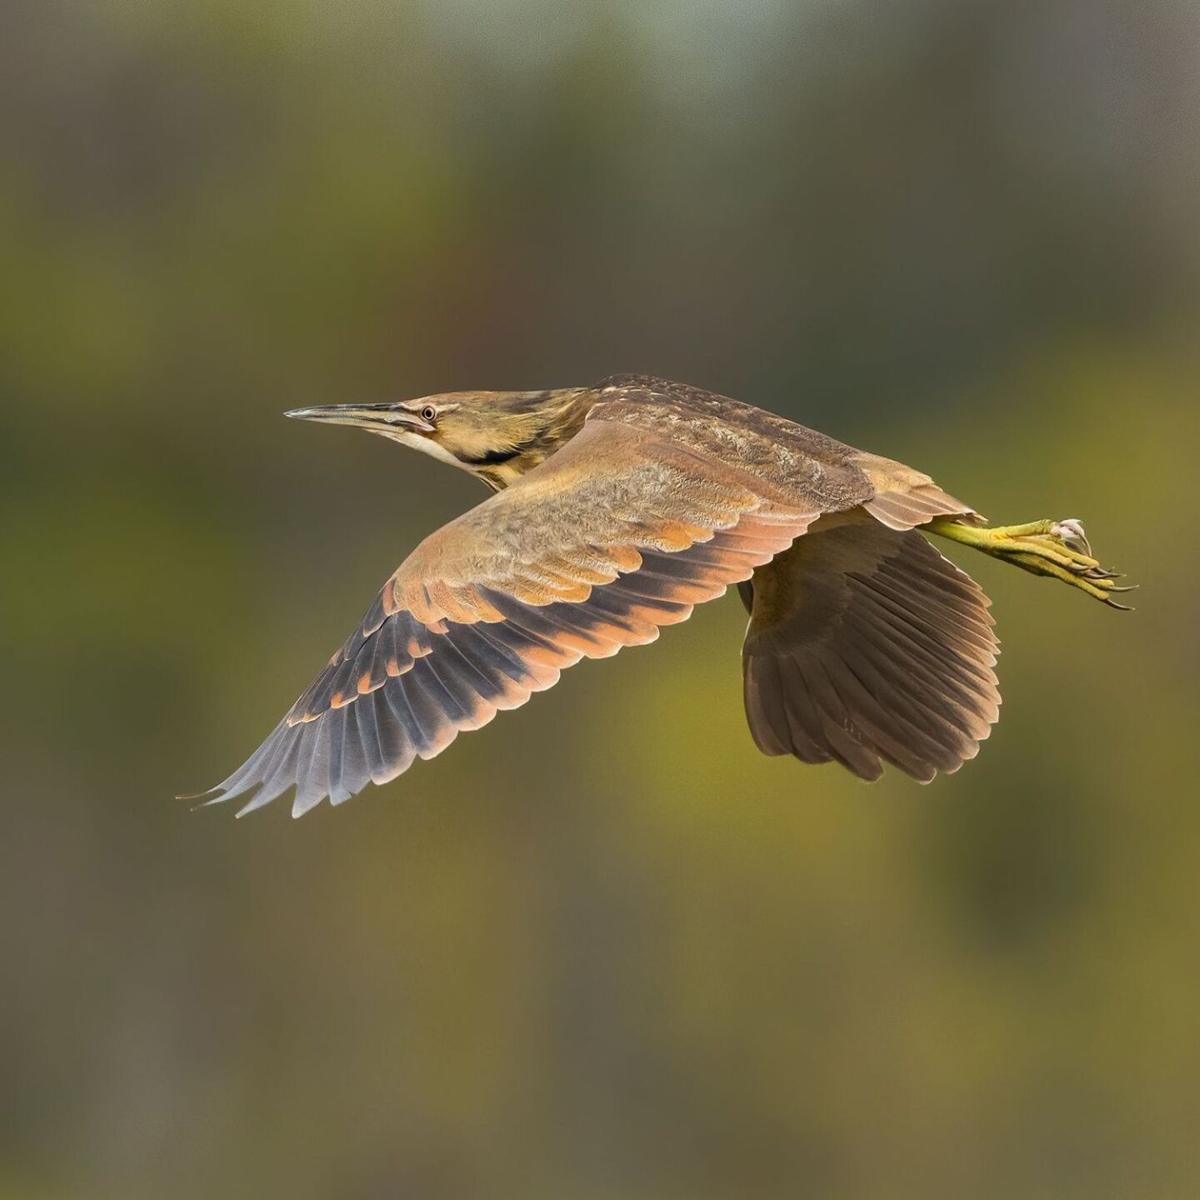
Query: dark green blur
[{"x": 600, "y": 950}]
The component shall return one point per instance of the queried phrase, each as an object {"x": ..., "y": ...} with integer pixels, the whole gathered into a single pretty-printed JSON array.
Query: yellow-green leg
[{"x": 1057, "y": 549}]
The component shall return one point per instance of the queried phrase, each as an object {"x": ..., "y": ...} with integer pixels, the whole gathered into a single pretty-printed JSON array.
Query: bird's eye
[{"x": 429, "y": 414}]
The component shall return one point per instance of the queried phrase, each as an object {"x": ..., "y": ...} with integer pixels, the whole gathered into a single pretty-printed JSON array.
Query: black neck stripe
[{"x": 494, "y": 458}]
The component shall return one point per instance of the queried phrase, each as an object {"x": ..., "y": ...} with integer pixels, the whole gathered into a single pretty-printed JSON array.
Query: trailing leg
[{"x": 1057, "y": 549}]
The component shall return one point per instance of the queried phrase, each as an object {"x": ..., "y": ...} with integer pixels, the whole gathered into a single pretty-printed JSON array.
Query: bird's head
[{"x": 497, "y": 436}]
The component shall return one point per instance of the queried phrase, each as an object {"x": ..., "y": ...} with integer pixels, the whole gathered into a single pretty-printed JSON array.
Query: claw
[{"x": 1071, "y": 533}]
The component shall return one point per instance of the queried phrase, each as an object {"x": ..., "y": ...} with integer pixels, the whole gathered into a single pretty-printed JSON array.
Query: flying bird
[{"x": 615, "y": 510}]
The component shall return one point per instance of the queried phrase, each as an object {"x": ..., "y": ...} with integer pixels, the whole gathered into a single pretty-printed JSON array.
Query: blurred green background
[{"x": 602, "y": 949}]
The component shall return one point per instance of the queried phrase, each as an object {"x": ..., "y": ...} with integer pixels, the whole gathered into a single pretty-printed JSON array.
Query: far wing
[
  {"x": 617, "y": 534},
  {"x": 866, "y": 646}
]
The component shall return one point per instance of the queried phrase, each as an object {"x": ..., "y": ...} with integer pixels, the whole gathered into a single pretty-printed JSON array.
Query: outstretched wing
[
  {"x": 622, "y": 531},
  {"x": 866, "y": 646}
]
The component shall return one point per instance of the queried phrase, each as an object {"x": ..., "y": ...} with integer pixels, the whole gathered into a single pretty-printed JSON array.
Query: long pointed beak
[{"x": 375, "y": 417}]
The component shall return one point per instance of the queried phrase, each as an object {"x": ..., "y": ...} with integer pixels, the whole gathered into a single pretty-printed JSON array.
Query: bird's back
[{"x": 781, "y": 452}]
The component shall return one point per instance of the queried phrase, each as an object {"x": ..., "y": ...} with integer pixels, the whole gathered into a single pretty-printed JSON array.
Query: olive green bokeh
[{"x": 602, "y": 948}]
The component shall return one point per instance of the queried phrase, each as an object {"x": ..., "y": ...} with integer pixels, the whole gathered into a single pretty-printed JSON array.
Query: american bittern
[{"x": 617, "y": 509}]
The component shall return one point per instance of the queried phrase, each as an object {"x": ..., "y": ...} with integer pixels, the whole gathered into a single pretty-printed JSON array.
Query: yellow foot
[{"x": 1058, "y": 549}]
